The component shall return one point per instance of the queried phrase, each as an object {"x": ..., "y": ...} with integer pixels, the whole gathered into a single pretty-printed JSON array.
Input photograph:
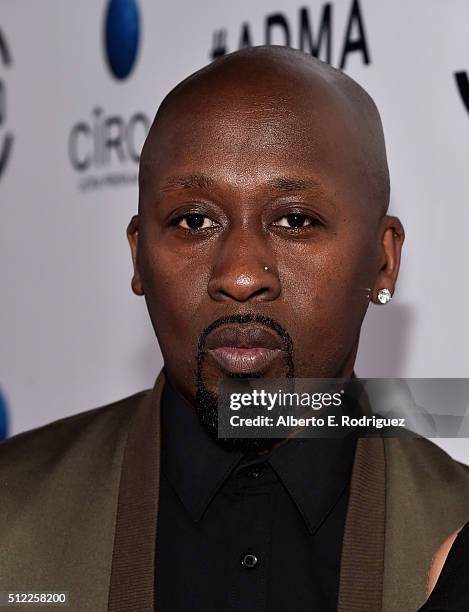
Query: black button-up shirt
[{"x": 262, "y": 534}]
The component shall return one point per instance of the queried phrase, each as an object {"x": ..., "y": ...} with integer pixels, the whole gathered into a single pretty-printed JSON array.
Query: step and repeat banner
[{"x": 79, "y": 85}]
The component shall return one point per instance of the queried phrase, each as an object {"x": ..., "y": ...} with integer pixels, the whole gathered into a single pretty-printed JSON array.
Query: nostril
[
  {"x": 260, "y": 291},
  {"x": 245, "y": 295}
]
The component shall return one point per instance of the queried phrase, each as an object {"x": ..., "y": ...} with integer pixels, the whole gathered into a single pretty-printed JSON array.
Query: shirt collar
[
  {"x": 195, "y": 464},
  {"x": 315, "y": 471}
]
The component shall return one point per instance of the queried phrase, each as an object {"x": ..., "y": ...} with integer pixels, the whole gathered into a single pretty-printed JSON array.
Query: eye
[
  {"x": 296, "y": 221},
  {"x": 194, "y": 221}
]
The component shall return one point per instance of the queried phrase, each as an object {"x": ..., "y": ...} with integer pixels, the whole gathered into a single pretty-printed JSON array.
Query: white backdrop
[{"x": 72, "y": 334}]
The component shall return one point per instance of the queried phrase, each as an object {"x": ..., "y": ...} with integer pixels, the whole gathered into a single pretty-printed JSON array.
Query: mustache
[{"x": 249, "y": 317}]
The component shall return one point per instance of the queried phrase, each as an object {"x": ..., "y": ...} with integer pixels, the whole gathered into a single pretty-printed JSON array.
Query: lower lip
[{"x": 244, "y": 360}]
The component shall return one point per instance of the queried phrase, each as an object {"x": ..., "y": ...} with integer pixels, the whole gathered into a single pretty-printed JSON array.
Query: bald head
[{"x": 290, "y": 88}]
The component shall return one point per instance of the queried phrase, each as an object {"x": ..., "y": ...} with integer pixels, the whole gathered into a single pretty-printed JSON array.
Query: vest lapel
[
  {"x": 133, "y": 560},
  {"x": 361, "y": 574}
]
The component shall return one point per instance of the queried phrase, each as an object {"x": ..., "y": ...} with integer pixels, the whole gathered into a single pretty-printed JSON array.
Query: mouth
[
  {"x": 244, "y": 349},
  {"x": 244, "y": 360}
]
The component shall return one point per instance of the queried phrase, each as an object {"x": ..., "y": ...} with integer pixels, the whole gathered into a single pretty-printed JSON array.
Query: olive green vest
[{"x": 79, "y": 508}]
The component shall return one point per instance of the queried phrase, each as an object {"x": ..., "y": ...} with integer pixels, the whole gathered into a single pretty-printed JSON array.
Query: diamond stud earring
[{"x": 384, "y": 296}]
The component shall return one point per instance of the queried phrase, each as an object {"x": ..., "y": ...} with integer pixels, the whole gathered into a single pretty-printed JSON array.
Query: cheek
[
  {"x": 329, "y": 277},
  {"x": 326, "y": 289},
  {"x": 175, "y": 289}
]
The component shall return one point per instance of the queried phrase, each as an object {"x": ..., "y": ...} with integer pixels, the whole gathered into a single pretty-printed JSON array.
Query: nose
[{"x": 244, "y": 270}]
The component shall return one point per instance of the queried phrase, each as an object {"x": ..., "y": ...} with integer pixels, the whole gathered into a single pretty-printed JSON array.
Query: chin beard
[{"x": 206, "y": 407}]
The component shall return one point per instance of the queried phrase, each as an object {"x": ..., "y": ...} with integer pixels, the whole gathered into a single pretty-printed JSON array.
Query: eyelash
[
  {"x": 175, "y": 222},
  {"x": 313, "y": 222}
]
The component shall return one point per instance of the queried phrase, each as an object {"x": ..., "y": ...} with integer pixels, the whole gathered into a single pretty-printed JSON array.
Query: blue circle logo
[
  {"x": 122, "y": 35},
  {"x": 3, "y": 417}
]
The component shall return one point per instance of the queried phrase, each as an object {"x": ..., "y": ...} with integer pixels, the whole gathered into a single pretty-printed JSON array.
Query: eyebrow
[
  {"x": 279, "y": 183},
  {"x": 284, "y": 183},
  {"x": 187, "y": 181}
]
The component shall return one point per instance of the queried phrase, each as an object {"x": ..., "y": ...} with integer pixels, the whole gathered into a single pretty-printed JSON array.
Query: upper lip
[{"x": 243, "y": 335}]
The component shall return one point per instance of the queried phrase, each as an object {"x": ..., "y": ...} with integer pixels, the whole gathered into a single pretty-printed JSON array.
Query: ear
[
  {"x": 132, "y": 237},
  {"x": 392, "y": 238}
]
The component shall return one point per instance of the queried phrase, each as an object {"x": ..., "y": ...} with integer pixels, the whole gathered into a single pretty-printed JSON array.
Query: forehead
[{"x": 247, "y": 139}]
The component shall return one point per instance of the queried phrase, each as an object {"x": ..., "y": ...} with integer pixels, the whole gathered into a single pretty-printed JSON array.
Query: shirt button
[
  {"x": 254, "y": 473},
  {"x": 249, "y": 560}
]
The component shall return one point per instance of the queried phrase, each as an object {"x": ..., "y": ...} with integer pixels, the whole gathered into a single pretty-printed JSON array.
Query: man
[{"x": 261, "y": 237}]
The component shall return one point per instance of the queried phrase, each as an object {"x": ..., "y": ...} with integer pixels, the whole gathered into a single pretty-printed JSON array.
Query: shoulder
[
  {"x": 425, "y": 459},
  {"x": 95, "y": 426},
  {"x": 424, "y": 478},
  {"x": 64, "y": 474}
]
